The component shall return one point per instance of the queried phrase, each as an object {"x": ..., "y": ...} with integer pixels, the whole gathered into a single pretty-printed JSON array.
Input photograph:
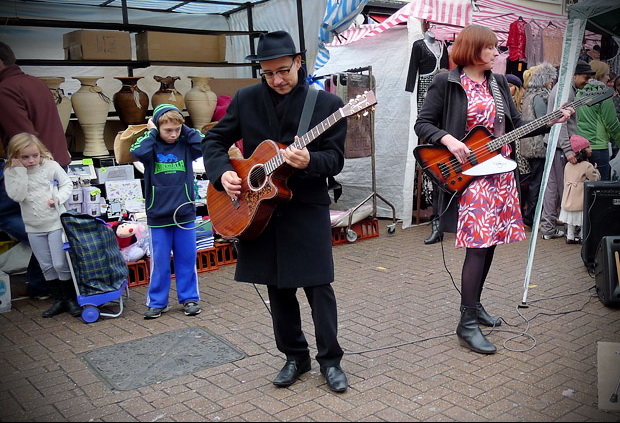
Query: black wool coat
[
  {"x": 295, "y": 249},
  {"x": 445, "y": 112}
]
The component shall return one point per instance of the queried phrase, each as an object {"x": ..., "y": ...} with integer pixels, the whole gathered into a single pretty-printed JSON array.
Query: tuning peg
[
  {"x": 357, "y": 116},
  {"x": 365, "y": 113}
]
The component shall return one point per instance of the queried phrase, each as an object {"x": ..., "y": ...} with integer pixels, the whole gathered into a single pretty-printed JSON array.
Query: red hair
[{"x": 469, "y": 44}]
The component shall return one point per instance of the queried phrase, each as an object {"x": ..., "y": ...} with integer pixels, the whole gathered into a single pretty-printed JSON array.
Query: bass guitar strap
[{"x": 499, "y": 127}]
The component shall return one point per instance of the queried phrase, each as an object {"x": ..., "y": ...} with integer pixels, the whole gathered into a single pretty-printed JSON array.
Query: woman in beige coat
[{"x": 574, "y": 177}]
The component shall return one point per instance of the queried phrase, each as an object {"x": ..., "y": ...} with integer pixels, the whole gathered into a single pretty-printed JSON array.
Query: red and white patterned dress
[{"x": 489, "y": 209}]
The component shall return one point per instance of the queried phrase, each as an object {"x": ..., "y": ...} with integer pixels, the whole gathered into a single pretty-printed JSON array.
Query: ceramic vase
[
  {"x": 167, "y": 94},
  {"x": 91, "y": 107},
  {"x": 63, "y": 103},
  {"x": 130, "y": 102},
  {"x": 200, "y": 101}
]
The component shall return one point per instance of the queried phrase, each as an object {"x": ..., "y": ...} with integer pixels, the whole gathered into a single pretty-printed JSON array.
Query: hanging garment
[
  {"x": 422, "y": 66},
  {"x": 552, "y": 45},
  {"x": 499, "y": 66},
  {"x": 358, "y": 141},
  {"x": 516, "y": 40},
  {"x": 533, "y": 44}
]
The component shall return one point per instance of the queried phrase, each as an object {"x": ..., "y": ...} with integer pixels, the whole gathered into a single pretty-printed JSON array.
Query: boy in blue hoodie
[{"x": 167, "y": 151}]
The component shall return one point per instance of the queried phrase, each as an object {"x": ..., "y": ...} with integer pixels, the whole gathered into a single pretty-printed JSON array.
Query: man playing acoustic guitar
[{"x": 293, "y": 248}]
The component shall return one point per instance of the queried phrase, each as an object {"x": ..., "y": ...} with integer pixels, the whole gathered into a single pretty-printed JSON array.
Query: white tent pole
[{"x": 570, "y": 52}]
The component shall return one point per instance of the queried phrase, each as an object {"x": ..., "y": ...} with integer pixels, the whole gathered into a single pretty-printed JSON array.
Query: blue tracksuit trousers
[{"x": 182, "y": 244}]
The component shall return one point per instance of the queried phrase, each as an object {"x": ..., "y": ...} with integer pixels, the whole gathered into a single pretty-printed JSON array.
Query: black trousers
[{"x": 286, "y": 317}]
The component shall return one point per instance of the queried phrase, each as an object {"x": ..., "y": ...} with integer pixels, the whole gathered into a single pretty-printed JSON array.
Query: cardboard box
[
  {"x": 172, "y": 47},
  {"x": 97, "y": 45},
  {"x": 114, "y": 173},
  {"x": 229, "y": 86}
]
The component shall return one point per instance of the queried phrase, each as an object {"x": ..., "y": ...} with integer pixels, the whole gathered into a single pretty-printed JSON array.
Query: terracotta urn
[
  {"x": 167, "y": 93},
  {"x": 63, "y": 103},
  {"x": 130, "y": 102},
  {"x": 200, "y": 101},
  {"x": 91, "y": 107}
]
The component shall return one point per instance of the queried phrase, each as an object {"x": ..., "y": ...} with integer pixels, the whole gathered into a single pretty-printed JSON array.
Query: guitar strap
[
  {"x": 499, "y": 127},
  {"x": 304, "y": 124},
  {"x": 306, "y": 113}
]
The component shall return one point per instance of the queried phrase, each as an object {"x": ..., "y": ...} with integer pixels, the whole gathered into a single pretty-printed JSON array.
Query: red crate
[
  {"x": 139, "y": 273},
  {"x": 367, "y": 228},
  {"x": 206, "y": 260},
  {"x": 226, "y": 253}
]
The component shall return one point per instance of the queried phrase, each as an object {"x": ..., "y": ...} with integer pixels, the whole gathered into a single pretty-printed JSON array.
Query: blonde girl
[{"x": 40, "y": 186}]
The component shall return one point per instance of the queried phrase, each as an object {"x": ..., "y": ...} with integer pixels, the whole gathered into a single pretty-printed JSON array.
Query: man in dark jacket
[
  {"x": 295, "y": 248},
  {"x": 26, "y": 106}
]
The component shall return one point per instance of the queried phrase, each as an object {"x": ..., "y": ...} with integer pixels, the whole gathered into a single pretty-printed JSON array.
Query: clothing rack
[{"x": 391, "y": 230}]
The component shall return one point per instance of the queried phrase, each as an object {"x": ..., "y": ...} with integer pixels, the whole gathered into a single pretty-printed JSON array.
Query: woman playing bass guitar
[{"x": 488, "y": 208}]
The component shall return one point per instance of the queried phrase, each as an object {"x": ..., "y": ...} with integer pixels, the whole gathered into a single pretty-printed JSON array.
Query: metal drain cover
[{"x": 156, "y": 358}]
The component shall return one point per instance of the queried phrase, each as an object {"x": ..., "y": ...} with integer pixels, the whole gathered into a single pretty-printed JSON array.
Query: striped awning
[
  {"x": 448, "y": 17},
  {"x": 456, "y": 13}
]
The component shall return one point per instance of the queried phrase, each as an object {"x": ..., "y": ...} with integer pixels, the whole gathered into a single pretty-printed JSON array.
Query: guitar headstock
[
  {"x": 590, "y": 98},
  {"x": 359, "y": 103}
]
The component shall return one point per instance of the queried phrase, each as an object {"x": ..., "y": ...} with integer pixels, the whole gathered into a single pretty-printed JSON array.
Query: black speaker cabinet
[
  {"x": 607, "y": 270},
  {"x": 601, "y": 216}
]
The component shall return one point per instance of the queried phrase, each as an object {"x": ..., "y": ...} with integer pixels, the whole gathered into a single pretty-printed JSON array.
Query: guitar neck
[
  {"x": 278, "y": 160},
  {"x": 520, "y": 132}
]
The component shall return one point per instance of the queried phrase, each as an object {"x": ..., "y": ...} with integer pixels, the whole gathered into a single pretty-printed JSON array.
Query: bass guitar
[
  {"x": 485, "y": 158},
  {"x": 264, "y": 179}
]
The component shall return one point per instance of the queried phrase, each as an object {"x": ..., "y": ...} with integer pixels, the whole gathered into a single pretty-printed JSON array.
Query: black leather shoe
[
  {"x": 291, "y": 371},
  {"x": 335, "y": 378}
]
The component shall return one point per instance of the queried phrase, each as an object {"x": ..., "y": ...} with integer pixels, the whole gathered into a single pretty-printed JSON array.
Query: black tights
[{"x": 475, "y": 270}]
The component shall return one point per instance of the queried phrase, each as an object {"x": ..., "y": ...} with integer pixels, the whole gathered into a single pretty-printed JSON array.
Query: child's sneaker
[
  {"x": 154, "y": 313},
  {"x": 191, "y": 308}
]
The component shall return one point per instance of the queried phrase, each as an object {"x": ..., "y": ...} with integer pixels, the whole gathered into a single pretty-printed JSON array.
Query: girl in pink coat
[{"x": 571, "y": 212}]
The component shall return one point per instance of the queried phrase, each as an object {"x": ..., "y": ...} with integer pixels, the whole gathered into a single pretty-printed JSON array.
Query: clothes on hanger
[
  {"x": 552, "y": 40},
  {"x": 426, "y": 58},
  {"x": 516, "y": 40},
  {"x": 533, "y": 43},
  {"x": 499, "y": 66}
]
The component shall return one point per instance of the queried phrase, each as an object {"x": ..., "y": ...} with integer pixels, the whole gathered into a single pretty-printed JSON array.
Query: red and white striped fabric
[
  {"x": 448, "y": 17},
  {"x": 451, "y": 12}
]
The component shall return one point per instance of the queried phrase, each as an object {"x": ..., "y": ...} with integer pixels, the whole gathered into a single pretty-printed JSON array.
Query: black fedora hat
[
  {"x": 583, "y": 68},
  {"x": 273, "y": 45}
]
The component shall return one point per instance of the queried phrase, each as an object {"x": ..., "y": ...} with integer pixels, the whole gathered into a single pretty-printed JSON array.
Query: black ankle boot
[
  {"x": 70, "y": 297},
  {"x": 485, "y": 318},
  {"x": 436, "y": 235},
  {"x": 59, "y": 306},
  {"x": 469, "y": 333}
]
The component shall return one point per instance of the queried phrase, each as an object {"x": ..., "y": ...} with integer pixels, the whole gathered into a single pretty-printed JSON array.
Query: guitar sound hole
[{"x": 257, "y": 177}]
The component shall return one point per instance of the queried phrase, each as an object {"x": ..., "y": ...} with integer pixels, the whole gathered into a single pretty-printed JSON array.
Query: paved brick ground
[{"x": 398, "y": 311}]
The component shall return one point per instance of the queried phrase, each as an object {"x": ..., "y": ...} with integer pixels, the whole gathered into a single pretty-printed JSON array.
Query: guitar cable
[
  {"x": 204, "y": 223},
  {"x": 180, "y": 225}
]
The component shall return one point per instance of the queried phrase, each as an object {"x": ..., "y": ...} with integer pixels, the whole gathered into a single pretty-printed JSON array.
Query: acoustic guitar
[
  {"x": 264, "y": 178},
  {"x": 485, "y": 158}
]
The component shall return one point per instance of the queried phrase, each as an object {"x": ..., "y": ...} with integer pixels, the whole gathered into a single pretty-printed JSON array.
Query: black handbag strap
[{"x": 306, "y": 113}]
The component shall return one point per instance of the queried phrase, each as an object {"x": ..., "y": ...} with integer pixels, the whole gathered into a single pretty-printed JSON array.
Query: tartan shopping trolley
[{"x": 99, "y": 272}]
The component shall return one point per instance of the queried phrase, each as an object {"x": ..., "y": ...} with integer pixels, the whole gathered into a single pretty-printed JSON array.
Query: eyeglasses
[{"x": 281, "y": 73}]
